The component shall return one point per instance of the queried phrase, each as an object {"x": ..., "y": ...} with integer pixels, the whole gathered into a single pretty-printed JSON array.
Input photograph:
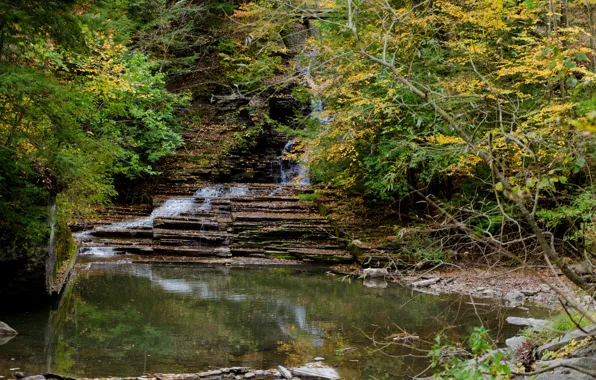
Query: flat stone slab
[
  {"x": 532, "y": 322},
  {"x": 315, "y": 373}
]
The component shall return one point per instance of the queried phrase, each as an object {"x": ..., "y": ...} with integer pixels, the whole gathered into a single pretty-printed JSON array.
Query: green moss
[
  {"x": 66, "y": 248},
  {"x": 283, "y": 256},
  {"x": 309, "y": 197}
]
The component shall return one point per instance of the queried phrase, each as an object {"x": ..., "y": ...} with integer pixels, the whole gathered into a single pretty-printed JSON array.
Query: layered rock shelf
[{"x": 255, "y": 220}]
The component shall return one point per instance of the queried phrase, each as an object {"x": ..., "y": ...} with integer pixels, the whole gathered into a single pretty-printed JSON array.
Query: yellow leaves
[
  {"x": 105, "y": 67},
  {"x": 487, "y": 14},
  {"x": 440, "y": 139},
  {"x": 465, "y": 166},
  {"x": 551, "y": 113}
]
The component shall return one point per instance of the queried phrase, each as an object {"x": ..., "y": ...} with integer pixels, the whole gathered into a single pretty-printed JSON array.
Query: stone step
[{"x": 191, "y": 251}]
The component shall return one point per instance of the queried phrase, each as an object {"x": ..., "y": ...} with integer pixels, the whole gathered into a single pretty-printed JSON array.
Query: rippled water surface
[{"x": 127, "y": 319}]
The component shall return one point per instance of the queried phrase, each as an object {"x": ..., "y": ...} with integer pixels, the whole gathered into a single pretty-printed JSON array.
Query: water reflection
[{"x": 127, "y": 319}]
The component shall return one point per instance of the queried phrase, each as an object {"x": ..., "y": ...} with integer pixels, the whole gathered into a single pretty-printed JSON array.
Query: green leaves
[{"x": 77, "y": 108}]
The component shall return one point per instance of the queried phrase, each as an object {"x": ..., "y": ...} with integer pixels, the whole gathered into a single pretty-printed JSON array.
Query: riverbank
[{"x": 515, "y": 286}]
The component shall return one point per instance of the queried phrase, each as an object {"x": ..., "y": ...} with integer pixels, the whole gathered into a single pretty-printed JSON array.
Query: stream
[{"x": 124, "y": 319}]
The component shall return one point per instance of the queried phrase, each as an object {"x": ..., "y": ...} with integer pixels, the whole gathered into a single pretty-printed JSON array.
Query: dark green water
[{"x": 127, "y": 319}]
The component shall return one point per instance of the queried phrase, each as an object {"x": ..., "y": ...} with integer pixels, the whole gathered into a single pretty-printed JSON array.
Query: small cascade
[
  {"x": 99, "y": 252},
  {"x": 210, "y": 191},
  {"x": 223, "y": 221},
  {"x": 292, "y": 171},
  {"x": 317, "y": 107},
  {"x": 171, "y": 207}
]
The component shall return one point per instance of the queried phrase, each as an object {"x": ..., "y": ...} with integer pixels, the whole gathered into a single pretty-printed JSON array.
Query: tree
[{"x": 485, "y": 96}]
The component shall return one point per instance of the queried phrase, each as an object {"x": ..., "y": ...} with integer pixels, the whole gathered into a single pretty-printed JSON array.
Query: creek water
[{"x": 124, "y": 319}]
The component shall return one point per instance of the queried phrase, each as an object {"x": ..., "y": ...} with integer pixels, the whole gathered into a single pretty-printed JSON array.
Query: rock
[
  {"x": 559, "y": 342},
  {"x": 6, "y": 329},
  {"x": 316, "y": 373},
  {"x": 425, "y": 283},
  {"x": 259, "y": 372},
  {"x": 319, "y": 359},
  {"x": 375, "y": 272},
  {"x": 285, "y": 373},
  {"x": 515, "y": 297},
  {"x": 566, "y": 373},
  {"x": 36, "y": 377},
  {"x": 20, "y": 375},
  {"x": 488, "y": 293},
  {"x": 209, "y": 373},
  {"x": 515, "y": 343},
  {"x": 249, "y": 375},
  {"x": 377, "y": 283},
  {"x": 532, "y": 322}
]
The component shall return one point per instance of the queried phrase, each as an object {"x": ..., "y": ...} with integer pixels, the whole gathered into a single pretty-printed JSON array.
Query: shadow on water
[{"x": 127, "y": 319}]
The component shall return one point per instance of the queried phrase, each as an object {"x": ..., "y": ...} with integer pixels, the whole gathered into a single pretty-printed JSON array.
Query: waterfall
[
  {"x": 171, "y": 207},
  {"x": 292, "y": 171}
]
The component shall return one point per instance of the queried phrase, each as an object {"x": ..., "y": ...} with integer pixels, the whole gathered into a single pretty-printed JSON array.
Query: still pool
[{"x": 125, "y": 319}]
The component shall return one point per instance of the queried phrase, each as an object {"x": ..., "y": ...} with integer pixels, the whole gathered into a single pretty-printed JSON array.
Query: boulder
[
  {"x": 284, "y": 372},
  {"x": 515, "y": 343},
  {"x": 375, "y": 272},
  {"x": 6, "y": 329},
  {"x": 515, "y": 297}
]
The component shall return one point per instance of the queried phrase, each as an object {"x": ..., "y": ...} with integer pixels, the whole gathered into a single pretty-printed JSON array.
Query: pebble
[
  {"x": 319, "y": 359},
  {"x": 249, "y": 375}
]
